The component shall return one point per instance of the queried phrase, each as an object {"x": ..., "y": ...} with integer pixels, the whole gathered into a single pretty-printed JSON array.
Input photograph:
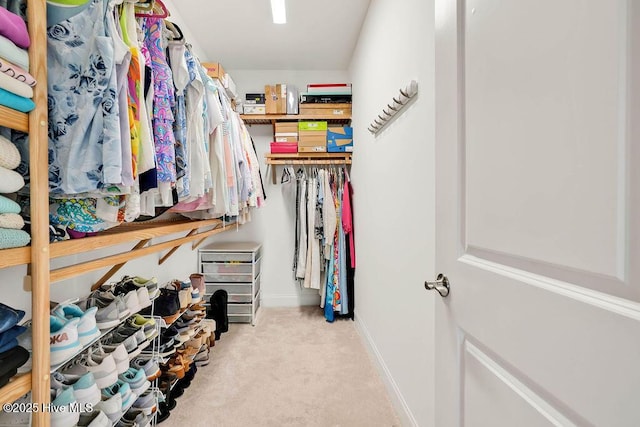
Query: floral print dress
[{"x": 85, "y": 154}]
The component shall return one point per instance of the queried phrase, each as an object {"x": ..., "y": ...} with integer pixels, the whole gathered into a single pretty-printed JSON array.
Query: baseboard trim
[
  {"x": 296, "y": 300},
  {"x": 405, "y": 414}
]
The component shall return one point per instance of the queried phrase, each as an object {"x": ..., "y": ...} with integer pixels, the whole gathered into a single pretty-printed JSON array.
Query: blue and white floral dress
[{"x": 85, "y": 148}]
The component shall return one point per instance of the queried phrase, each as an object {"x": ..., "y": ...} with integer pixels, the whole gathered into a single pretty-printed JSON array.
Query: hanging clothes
[{"x": 84, "y": 128}]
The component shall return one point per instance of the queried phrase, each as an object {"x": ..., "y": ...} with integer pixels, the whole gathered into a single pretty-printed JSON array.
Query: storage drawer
[
  {"x": 226, "y": 256},
  {"x": 228, "y": 278},
  {"x": 229, "y": 267},
  {"x": 244, "y": 289},
  {"x": 240, "y": 318},
  {"x": 240, "y": 298},
  {"x": 238, "y": 308}
]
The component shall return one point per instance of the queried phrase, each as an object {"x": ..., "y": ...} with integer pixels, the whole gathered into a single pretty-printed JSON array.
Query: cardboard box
[
  {"x": 312, "y": 149},
  {"x": 287, "y": 127},
  {"x": 280, "y": 138},
  {"x": 276, "y": 99},
  {"x": 312, "y": 126},
  {"x": 254, "y": 98},
  {"x": 339, "y": 139},
  {"x": 254, "y": 109},
  {"x": 337, "y": 110},
  {"x": 312, "y": 140},
  {"x": 214, "y": 70},
  {"x": 230, "y": 87},
  {"x": 284, "y": 147}
]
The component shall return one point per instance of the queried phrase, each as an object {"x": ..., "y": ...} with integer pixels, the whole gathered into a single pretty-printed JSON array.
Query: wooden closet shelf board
[
  {"x": 96, "y": 264},
  {"x": 14, "y": 119},
  {"x": 268, "y": 119},
  {"x": 118, "y": 235},
  {"x": 16, "y": 388},
  {"x": 15, "y": 256},
  {"x": 306, "y": 159}
]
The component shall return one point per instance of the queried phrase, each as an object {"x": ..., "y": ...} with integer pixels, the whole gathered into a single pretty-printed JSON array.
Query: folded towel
[
  {"x": 10, "y": 181},
  {"x": 16, "y": 72},
  {"x": 16, "y": 102},
  {"x": 13, "y": 54},
  {"x": 14, "y": 86},
  {"x": 13, "y": 27},
  {"x": 9, "y": 154},
  {"x": 8, "y": 206},
  {"x": 13, "y": 238},
  {"x": 11, "y": 220}
]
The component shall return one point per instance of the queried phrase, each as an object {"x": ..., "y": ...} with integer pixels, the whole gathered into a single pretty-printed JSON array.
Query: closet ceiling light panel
[{"x": 278, "y": 12}]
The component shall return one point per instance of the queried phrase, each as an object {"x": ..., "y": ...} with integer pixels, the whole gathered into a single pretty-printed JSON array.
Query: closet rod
[{"x": 309, "y": 162}]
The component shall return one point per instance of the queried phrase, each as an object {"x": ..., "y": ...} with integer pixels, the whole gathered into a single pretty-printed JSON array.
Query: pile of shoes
[
  {"x": 185, "y": 343},
  {"x": 12, "y": 355},
  {"x": 107, "y": 378}
]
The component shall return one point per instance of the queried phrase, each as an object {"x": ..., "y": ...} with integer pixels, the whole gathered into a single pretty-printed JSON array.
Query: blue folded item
[
  {"x": 16, "y": 102},
  {"x": 10, "y": 238},
  {"x": 8, "y": 338},
  {"x": 9, "y": 317},
  {"x": 12, "y": 343}
]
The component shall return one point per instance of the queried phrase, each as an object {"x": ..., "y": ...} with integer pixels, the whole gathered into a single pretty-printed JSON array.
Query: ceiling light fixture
[{"x": 278, "y": 12}]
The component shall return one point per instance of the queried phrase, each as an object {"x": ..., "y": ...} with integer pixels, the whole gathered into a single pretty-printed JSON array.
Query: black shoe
[
  {"x": 177, "y": 391},
  {"x": 171, "y": 404},
  {"x": 168, "y": 303},
  {"x": 163, "y": 412},
  {"x": 218, "y": 302}
]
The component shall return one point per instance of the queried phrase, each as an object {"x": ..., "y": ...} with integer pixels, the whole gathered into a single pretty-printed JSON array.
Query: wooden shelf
[
  {"x": 306, "y": 159},
  {"x": 14, "y": 119},
  {"x": 17, "y": 387},
  {"x": 122, "y": 234},
  {"x": 15, "y": 256},
  {"x": 270, "y": 119}
]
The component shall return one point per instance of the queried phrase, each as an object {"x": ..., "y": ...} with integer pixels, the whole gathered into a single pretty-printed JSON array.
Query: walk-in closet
[{"x": 311, "y": 214}]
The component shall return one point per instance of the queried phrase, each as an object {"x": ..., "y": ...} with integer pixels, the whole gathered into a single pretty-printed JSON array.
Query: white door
[{"x": 538, "y": 213}]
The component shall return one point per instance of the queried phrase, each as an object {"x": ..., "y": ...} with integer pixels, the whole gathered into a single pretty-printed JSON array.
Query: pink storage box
[{"x": 284, "y": 147}]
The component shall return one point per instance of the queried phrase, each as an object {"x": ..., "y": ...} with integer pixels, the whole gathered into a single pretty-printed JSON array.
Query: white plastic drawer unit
[{"x": 235, "y": 268}]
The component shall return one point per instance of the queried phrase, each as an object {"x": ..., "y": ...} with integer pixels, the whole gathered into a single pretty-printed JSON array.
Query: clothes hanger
[
  {"x": 157, "y": 10},
  {"x": 175, "y": 30},
  {"x": 68, "y": 3}
]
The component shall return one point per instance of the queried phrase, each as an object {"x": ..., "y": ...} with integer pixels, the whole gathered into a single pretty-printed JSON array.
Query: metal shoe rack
[{"x": 164, "y": 396}]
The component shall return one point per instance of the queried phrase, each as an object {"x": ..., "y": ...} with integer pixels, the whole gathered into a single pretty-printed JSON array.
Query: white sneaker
[
  {"x": 112, "y": 407},
  {"x": 133, "y": 304},
  {"x": 63, "y": 417},
  {"x": 104, "y": 371},
  {"x": 143, "y": 297},
  {"x": 63, "y": 339},
  {"x": 119, "y": 353},
  {"x": 87, "y": 329},
  {"x": 85, "y": 389},
  {"x": 94, "y": 419}
]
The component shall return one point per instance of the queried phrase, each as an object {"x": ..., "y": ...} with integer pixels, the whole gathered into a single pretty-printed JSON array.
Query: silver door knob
[{"x": 441, "y": 285}]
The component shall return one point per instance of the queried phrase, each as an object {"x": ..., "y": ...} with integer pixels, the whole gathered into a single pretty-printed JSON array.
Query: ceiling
[{"x": 318, "y": 35}]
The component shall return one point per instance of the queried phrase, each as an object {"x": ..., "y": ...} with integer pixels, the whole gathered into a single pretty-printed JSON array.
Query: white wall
[
  {"x": 394, "y": 195},
  {"x": 274, "y": 224}
]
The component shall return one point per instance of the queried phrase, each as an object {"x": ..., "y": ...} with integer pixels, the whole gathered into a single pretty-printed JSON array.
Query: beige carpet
[{"x": 291, "y": 369}]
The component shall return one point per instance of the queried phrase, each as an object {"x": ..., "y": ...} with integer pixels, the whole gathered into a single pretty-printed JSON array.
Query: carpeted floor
[{"x": 291, "y": 369}]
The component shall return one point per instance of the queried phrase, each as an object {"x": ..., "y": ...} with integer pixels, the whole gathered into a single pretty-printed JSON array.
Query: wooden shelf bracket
[{"x": 117, "y": 267}]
